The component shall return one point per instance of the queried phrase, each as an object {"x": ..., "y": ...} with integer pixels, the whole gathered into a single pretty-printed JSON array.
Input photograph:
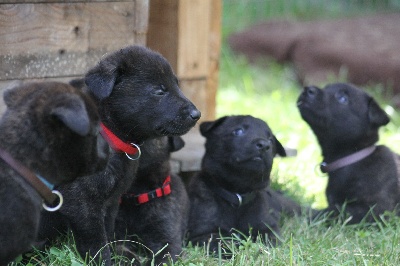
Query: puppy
[
  {"x": 362, "y": 175},
  {"x": 48, "y": 135},
  {"x": 155, "y": 210},
  {"x": 139, "y": 98},
  {"x": 231, "y": 192}
]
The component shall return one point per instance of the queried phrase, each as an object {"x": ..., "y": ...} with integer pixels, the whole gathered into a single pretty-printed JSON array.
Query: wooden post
[{"x": 188, "y": 34}]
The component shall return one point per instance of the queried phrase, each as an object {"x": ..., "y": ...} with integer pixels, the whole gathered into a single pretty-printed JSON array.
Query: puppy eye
[
  {"x": 342, "y": 98},
  {"x": 238, "y": 132},
  {"x": 159, "y": 90}
]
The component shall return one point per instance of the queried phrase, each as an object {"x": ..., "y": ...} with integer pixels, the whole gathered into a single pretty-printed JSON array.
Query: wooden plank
[
  {"x": 141, "y": 21},
  {"x": 57, "y": 1},
  {"x": 187, "y": 33},
  {"x": 179, "y": 30},
  {"x": 74, "y": 37},
  {"x": 162, "y": 35},
  {"x": 188, "y": 159},
  {"x": 196, "y": 91},
  {"x": 193, "y": 42},
  {"x": 215, "y": 39}
]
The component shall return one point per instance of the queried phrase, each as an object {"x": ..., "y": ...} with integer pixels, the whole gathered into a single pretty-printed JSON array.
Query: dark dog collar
[
  {"x": 119, "y": 145},
  {"x": 148, "y": 196},
  {"x": 41, "y": 185},
  {"x": 235, "y": 199},
  {"x": 347, "y": 160}
]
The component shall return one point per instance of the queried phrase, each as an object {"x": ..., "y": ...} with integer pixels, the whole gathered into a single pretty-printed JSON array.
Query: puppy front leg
[
  {"x": 109, "y": 221},
  {"x": 91, "y": 239}
]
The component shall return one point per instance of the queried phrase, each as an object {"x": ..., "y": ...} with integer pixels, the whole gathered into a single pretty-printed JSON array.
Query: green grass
[{"x": 269, "y": 91}]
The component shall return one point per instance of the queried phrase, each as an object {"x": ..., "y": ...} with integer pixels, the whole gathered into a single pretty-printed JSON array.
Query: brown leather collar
[
  {"x": 347, "y": 160},
  {"x": 29, "y": 176}
]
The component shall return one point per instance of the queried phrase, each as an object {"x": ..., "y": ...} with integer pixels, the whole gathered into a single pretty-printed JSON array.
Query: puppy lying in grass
[
  {"x": 363, "y": 177},
  {"x": 48, "y": 135},
  {"x": 231, "y": 193}
]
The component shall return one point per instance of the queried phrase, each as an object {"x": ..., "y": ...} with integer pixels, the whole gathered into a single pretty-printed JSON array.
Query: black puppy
[
  {"x": 48, "y": 135},
  {"x": 232, "y": 192},
  {"x": 155, "y": 210},
  {"x": 138, "y": 99},
  {"x": 362, "y": 175}
]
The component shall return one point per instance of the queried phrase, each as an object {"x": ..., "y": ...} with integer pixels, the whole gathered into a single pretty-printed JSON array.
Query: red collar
[
  {"x": 148, "y": 196},
  {"x": 116, "y": 143}
]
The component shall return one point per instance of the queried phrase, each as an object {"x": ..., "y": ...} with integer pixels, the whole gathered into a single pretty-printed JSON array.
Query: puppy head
[
  {"x": 58, "y": 125},
  {"x": 139, "y": 95},
  {"x": 240, "y": 151},
  {"x": 341, "y": 115}
]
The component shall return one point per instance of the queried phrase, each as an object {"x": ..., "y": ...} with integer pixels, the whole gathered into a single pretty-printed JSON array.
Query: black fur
[
  {"x": 239, "y": 156},
  {"x": 138, "y": 99},
  {"x": 345, "y": 119},
  {"x": 51, "y": 128},
  {"x": 160, "y": 223}
]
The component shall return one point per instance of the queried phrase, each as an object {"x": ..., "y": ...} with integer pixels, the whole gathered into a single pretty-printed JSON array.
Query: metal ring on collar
[
  {"x": 139, "y": 153},
  {"x": 60, "y": 203},
  {"x": 240, "y": 199},
  {"x": 318, "y": 170}
]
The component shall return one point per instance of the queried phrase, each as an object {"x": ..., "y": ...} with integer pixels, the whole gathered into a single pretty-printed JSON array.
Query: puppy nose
[
  {"x": 195, "y": 114},
  {"x": 263, "y": 144},
  {"x": 310, "y": 91}
]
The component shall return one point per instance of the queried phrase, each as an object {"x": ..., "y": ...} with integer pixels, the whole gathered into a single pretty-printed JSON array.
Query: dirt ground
[{"x": 366, "y": 49}]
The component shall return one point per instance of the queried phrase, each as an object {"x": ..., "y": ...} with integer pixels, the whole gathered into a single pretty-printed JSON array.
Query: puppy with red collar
[
  {"x": 138, "y": 98},
  {"x": 155, "y": 209}
]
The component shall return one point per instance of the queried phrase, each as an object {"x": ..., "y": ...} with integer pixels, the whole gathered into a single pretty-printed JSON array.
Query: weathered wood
[
  {"x": 188, "y": 35},
  {"x": 189, "y": 158},
  {"x": 194, "y": 18},
  {"x": 60, "y": 40},
  {"x": 215, "y": 39},
  {"x": 57, "y": 1},
  {"x": 162, "y": 35},
  {"x": 181, "y": 34},
  {"x": 197, "y": 92}
]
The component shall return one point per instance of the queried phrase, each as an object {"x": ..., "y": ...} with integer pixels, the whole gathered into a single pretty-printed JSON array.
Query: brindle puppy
[
  {"x": 362, "y": 174},
  {"x": 155, "y": 209},
  {"x": 231, "y": 193},
  {"x": 138, "y": 98},
  {"x": 51, "y": 129}
]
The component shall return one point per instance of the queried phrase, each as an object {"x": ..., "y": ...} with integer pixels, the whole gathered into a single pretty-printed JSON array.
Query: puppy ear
[
  {"x": 73, "y": 114},
  {"x": 77, "y": 83},
  {"x": 377, "y": 116},
  {"x": 101, "y": 79},
  {"x": 12, "y": 93},
  {"x": 280, "y": 150},
  {"x": 175, "y": 143},
  {"x": 207, "y": 126}
]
